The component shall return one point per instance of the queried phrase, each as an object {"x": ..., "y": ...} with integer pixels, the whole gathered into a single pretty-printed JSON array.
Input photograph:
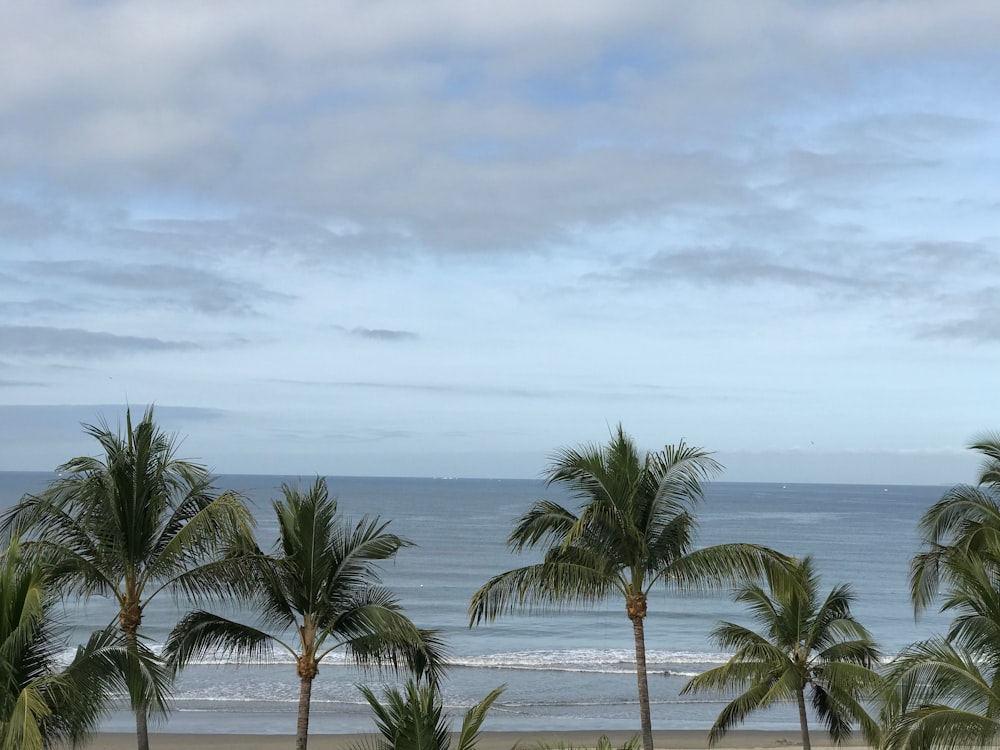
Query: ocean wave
[
  {"x": 593, "y": 661},
  {"x": 673, "y": 663},
  {"x": 611, "y": 661},
  {"x": 598, "y": 661}
]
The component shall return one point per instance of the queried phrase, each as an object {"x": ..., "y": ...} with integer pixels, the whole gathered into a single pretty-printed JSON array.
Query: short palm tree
[
  {"x": 807, "y": 644},
  {"x": 40, "y": 703},
  {"x": 134, "y": 523},
  {"x": 413, "y": 718},
  {"x": 318, "y": 592},
  {"x": 945, "y": 692},
  {"x": 603, "y": 743},
  {"x": 634, "y": 530}
]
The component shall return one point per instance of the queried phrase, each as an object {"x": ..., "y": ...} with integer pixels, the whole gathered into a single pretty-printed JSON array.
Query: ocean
[{"x": 571, "y": 669}]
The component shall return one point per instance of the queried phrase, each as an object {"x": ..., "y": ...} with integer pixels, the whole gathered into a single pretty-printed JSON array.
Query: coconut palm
[
  {"x": 806, "y": 644},
  {"x": 319, "y": 591},
  {"x": 134, "y": 523},
  {"x": 39, "y": 703},
  {"x": 634, "y": 531},
  {"x": 965, "y": 520},
  {"x": 944, "y": 691},
  {"x": 412, "y": 718}
]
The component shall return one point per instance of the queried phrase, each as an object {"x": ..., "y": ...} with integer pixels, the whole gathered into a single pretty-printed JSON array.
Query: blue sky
[{"x": 446, "y": 238}]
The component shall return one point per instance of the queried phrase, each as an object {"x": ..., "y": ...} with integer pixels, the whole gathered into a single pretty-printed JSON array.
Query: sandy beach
[{"x": 669, "y": 740}]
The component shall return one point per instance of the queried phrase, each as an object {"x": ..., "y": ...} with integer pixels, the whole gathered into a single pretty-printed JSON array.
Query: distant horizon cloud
[{"x": 61, "y": 428}]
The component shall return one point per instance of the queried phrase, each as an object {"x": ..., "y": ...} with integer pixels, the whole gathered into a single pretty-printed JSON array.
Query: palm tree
[
  {"x": 806, "y": 644},
  {"x": 634, "y": 530},
  {"x": 945, "y": 692},
  {"x": 40, "y": 704},
  {"x": 413, "y": 719},
  {"x": 965, "y": 521},
  {"x": 132, "y": 524},
  {"x": 319, "y": 591}
]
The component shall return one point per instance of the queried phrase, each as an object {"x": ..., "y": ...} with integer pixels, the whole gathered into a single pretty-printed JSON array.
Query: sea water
[{"x": 569, "y": 669}]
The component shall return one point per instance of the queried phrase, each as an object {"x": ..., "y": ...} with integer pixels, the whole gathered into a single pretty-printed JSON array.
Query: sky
[{"x": 447, "y": 238}]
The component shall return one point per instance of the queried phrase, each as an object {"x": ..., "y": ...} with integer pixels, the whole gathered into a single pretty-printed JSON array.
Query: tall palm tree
[
  {"x": 39, "y": 703},
  {"x": 945, "y": 692},
  {"x": 806, "y": 644},
  {"x": 412, "y": 718},
  {"x": 634, "y": 530},
  {"x": 319, "y": 591},
  {"x": 131, "y": 524}
]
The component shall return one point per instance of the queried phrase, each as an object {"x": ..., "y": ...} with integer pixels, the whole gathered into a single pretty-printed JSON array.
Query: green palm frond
[
  {"x": 219, "y": 524},
  {"x": 23, "y": 729},
  {"x": 965, "y": 521},
  {"x": 733, "y": 637},
  {"x": 545, "y": 523},
  {"x": 839, "y": 693},
  {"x": 40, "y": 704},
  {"x": 545, "y": 585},
  {"x": 200, "y": 633},
  {"x": 412, "y": 718},
  {"x": 736, "y": 676},
  {"x": 760, "y": 695},
  {"x": 421, "y": 653},
  {"x": 941, "y": 726},
  {"x": 376, "y": 634},
  {"x": 468, "y": 735},
  {"x": 935, "y": 672},
  {"x": 680, "y": 472},
  {"x": 668, "y": 539},
  {"x": 989, "y": 446},
  {"x": 603, "y": 743},
  {"x": 763, "y": 609},
  {"x": 716, "y": 567},
  {"x": 99, "y": 671}
]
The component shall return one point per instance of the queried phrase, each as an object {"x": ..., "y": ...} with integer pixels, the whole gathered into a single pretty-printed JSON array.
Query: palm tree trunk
[
  {"x": 130, "y": 626},
  {"x": 636, "y": 608},
  {"x": 803, "y": 720},
  {"x": 141, "y": 729},
  {"x": 302, "y": 727}
]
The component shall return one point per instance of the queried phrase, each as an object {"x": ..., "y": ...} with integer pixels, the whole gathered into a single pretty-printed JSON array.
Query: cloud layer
[{"x": 475, "y": 229}]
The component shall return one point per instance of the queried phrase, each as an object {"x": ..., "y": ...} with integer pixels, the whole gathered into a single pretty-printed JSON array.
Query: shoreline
[{"x": 667, "y": 739}]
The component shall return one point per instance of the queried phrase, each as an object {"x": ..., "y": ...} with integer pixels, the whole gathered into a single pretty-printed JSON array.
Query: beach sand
[{"x": 669, "y": 740}]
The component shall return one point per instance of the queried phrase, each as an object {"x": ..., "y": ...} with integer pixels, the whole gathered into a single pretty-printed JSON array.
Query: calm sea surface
[{"x": 567, "y": 670}]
